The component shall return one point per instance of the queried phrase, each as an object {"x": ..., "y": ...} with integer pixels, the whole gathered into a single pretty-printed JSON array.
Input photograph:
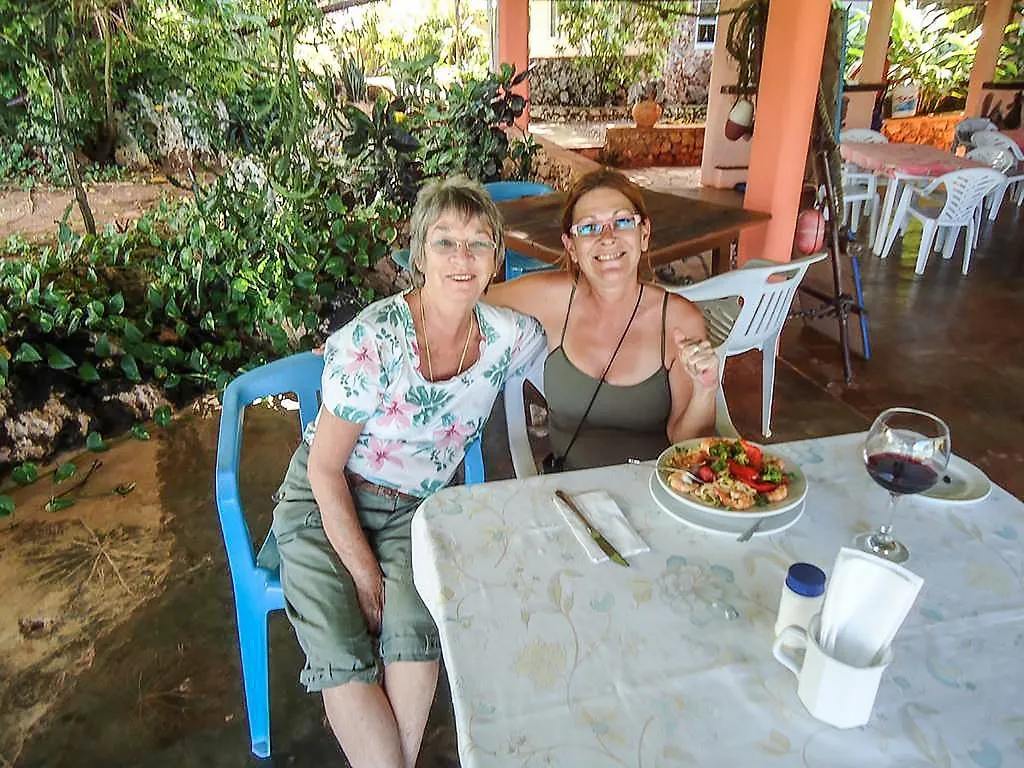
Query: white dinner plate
[
  {"x": 967, "y": 484},
  {"x": 695, "y": 517},
  {"x": 797, "y": 486}
]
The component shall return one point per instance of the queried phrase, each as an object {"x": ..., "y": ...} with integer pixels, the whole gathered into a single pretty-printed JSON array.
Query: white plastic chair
[
  {"x": 1015, "y": 180},
  {"x": 863, "y": 136},
  {"x": 1001, "y": 160},
  {"x": 765, "y": 290},
  {"x": 965, "y": 130},
  {"x": 860, "y": 188},
  {"x": 965, "y": 193},
  {"x": 998, "y": 140}
]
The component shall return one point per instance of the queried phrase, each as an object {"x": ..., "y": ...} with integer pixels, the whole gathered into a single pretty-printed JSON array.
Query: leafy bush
[{"x": 194, "y": 292}]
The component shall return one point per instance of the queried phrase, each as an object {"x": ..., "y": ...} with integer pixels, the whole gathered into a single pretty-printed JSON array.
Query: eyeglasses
[
  {"x": 449, "y": 246},
  {"x": 595, "y": 228}
]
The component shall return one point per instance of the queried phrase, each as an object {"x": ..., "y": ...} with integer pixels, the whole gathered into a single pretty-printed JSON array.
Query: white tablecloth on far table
[{"x": 555, "y": 661}]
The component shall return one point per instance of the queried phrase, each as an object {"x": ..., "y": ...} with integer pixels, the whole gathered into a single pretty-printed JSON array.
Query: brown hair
[{"x": 601, "y": 178}]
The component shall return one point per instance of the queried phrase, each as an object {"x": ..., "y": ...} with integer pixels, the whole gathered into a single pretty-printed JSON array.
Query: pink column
[
  {"x": 997, "y": 16},
  {"x": 793, "y": 47},
  {"x": 876, "y": 45},
  {"x": 514, "y": 43}
]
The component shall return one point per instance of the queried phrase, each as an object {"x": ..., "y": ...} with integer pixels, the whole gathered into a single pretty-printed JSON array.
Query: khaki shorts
[{"x": 320, "y": 596}]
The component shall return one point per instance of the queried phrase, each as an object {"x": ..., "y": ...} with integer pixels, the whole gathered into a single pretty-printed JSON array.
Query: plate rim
[
  {"x": 763, "y": 531},
  {"x": 731, "y": 514},
  {"x": 929, "y": 497}
]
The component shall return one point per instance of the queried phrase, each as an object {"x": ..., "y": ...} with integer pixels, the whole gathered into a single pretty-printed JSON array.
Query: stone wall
[
  {"x": 686, "y": 113},
  {"x": 570, "y": 81},
  {"x": 933, "y": 130},
  {"x": 629, "y": 147},
  {"x": 687, "y": 71}
]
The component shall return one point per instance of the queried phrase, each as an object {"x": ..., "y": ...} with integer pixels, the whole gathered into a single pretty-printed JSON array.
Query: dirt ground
[{"x": 34, "y": 214}]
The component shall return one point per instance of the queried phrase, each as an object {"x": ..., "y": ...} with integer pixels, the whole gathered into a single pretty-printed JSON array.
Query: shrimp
[
  {"x": 681, "y": 482},
  {"x": 777, "y": 494},
  {"x": 736, "y": 497}
]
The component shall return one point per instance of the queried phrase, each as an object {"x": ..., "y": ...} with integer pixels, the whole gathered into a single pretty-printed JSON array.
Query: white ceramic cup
[{"x": 833, "y": 692}]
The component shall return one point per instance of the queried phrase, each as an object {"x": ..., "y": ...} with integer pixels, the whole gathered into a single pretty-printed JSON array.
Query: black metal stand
[{"x": 839, "y": 304}]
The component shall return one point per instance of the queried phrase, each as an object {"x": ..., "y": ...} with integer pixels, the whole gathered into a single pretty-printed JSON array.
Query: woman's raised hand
[{"x": 698, "y": 359}]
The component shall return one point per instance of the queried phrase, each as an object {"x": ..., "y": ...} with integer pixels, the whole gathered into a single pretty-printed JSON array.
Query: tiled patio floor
[{"x": 164, "y": 688}]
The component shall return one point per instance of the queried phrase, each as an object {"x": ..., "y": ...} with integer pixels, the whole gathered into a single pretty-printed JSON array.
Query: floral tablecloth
[
  {"x": 555, "y": 661},
  {"x": 908, "y": 159}
]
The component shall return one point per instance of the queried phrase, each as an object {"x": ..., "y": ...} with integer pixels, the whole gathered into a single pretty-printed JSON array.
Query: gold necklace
[{"x": 426, "y": 341}]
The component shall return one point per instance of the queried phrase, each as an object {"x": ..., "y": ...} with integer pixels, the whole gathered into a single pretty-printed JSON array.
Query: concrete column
[
  {"x": 876, "y": 45},
  {"x": 724, "y": 162},
  {"x": 997, "y": 16},
  {"x": 514, "y": 43},
  {"x": 790, "y": 69}
]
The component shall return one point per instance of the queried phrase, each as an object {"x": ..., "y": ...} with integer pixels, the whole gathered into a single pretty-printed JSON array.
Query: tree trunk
[
  {"x": 110, "y": 127},
  {"x": 458, "y": 33},
  {"x": 55, "y": 75}
]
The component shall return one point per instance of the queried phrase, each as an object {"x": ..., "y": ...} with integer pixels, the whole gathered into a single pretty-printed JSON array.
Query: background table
[
  {"x": 556, "y": 661},
  {"x": 900, "y": 162},
  {"x": 681, "y": 227}
]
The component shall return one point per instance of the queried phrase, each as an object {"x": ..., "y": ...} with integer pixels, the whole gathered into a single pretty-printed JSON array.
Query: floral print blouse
[{"x": 415, "y": 432}]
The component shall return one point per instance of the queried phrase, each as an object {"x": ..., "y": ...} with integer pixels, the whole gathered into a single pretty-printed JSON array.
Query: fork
[
  {"x": 688, "y": 473},
  {"x": 745, "y": 536}
]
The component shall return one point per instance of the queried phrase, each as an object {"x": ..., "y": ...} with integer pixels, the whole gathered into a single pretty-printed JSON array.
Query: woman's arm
[
  {"x": 692, "y": 373},
  {"x": 542, "y": 295},
  {"x": 333, "y": 442}
]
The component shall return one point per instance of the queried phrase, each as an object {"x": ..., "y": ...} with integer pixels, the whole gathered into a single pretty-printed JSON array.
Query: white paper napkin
[
  {"x": 866, "y": 602},
  {"x": 604, "y": 514}
]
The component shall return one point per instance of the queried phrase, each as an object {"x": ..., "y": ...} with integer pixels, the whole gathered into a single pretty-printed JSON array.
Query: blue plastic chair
[
  {"x": 258, "y": 590},
  {"x": 517, "y": 264}
]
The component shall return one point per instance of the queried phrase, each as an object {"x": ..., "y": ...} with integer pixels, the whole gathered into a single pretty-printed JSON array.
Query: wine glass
[{"x": 906, "y": 451}]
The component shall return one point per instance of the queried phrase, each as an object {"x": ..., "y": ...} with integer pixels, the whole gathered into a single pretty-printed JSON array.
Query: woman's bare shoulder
[{"x": 683, "y": 314}]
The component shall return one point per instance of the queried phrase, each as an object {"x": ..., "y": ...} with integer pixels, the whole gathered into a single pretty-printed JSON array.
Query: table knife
[{"x": 595, "y": 534}]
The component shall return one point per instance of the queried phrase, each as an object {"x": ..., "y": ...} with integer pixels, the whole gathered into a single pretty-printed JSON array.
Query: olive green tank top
[{"x": 624, "y": 422}]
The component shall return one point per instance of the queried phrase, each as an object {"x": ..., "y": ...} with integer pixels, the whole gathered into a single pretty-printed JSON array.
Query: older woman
[
  {"x": 629, "y": 369},
  {"x": 407, "y": 386}
]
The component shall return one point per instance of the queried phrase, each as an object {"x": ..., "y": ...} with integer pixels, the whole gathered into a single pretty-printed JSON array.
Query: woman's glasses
[
  {"x": 449, "y": 246},
  {"x": 595, "y": 228}
]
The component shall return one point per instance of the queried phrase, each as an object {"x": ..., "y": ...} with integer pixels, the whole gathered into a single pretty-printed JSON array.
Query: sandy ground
[
  {"x": 70, "y": 577},
  {"x": 35, "y": 214}
]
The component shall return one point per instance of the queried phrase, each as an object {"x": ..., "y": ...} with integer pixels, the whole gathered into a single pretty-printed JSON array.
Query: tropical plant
[
  {"x": 606, "y": 34},
  {"x": 465, "y": 133},
  {"x": 929, "y": 47}
]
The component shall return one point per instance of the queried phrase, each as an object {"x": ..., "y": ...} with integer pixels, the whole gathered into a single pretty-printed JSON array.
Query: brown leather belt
[{"x": 358, "y": 482}]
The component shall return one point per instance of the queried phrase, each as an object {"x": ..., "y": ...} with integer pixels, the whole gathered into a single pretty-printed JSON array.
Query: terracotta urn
[{"x": 646, "y": 113}]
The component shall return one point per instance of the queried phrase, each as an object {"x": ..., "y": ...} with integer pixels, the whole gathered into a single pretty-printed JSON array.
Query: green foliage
[
  {"x": 64, "y": 471},
  {"x": 459, "y": 43},
  {"x": 6, "y": 506},
  {"x": 931, "y": 47},
  {"x": 603, "y": 32},
  {"x": 466, "y": 132},
  {"x": 25, "y": 474}
]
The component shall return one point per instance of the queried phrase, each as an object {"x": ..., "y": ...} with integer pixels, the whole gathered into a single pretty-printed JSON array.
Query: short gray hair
[{"x": 460, "y": 195}]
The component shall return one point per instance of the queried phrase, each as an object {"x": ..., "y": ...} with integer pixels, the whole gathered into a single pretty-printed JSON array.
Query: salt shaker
[{"x": 802, "y": 595}]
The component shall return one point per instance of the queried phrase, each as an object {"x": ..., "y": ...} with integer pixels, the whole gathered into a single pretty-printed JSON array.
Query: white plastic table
[
  {"x": 555, "y": 661},
  {"x": 900, "y": 163}
]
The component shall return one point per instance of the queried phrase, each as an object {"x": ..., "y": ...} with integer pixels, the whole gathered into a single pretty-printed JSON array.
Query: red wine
[{"x": 901, "y": 474}]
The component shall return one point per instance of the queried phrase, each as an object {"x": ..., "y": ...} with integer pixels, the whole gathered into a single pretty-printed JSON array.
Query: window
[
  {"x": 706, "y": 22},
  {"x": 555, "y": 21}
]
